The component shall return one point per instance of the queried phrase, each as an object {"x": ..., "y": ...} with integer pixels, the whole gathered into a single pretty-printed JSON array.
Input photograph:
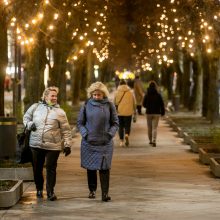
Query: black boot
[
  {"x": 92, "y": 183},
  {"x": 51, "y": 196},
  {"x": 105, "y": 197},
  {"x": 104, "y": 179}
]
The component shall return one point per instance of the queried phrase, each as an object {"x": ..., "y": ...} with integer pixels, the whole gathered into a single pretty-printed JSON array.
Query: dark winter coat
[
  {"x": 98, "y": 124},
  {"x": 153, "y": 102}
]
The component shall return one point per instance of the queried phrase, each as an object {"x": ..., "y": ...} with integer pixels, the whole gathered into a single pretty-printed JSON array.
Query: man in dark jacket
[{"x": 154, "y": 105}]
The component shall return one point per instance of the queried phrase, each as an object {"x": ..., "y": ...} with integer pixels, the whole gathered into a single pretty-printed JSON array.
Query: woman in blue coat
[{"x": 98, "y": 124}]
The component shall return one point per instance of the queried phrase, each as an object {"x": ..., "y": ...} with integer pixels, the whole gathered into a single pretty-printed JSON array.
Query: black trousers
[
  {"x": 104, "y": 176},
  {"x": 124, "y": 126},
  {"x": 39, "y": 158}
]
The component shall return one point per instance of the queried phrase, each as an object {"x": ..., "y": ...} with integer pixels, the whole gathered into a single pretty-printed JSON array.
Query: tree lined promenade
[
  {"x": 73, "y": 43},
  {"x": 166, "y": 182}
]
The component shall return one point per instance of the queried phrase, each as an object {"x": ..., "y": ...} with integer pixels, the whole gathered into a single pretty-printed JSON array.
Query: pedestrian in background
[
  {"x": 126, "y": 105},
  {"x": 49, "y": 126},
  {"x": 154, "y": 105},
  {"x": 98, "y": 124},
  {"x": 139, "y": 93}
]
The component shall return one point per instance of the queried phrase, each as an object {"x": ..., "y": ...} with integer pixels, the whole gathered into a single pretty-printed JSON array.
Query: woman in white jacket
[
  {"x": 126, "y": 104},
  {"x": 49, "y": 126}
]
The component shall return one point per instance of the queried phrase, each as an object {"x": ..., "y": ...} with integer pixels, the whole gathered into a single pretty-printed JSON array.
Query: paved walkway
[{"x": 162, "y": 183}]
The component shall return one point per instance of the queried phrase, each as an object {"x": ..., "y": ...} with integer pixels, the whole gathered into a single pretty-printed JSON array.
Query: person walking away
[
  {"x": 154, "y": 105},
  {"x": 97, "y": 123},
  {"x": 125, "y": 100},
  {"x": 139, "y": 93},
  {"x": 49, "y": 127}
]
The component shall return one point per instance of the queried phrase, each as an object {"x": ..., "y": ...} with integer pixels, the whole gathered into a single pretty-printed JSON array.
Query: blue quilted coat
[{"x": 98, "y": 124}]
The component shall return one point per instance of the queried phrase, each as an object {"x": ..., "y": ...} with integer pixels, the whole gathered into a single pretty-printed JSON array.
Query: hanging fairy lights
[
  {"x": 172, "y": 28},
  {"x": 90, "y": 33}
]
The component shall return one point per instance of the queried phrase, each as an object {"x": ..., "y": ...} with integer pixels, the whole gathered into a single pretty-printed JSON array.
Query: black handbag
[{"x": 24, "y": 154}]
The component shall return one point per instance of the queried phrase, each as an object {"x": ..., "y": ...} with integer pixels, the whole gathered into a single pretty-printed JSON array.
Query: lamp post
[{"x": 15, "y": 93}]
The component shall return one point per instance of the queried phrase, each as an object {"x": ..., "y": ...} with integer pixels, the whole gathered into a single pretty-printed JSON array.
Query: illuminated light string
[
  {"x": 169, "y": 32},
  {"x": 23, "y": 39},
  {"x": 103, "y": 53}
]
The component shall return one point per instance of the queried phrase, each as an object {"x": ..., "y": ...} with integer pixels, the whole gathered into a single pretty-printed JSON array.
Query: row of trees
[
  {"x": 166, "y": 40},
  {"x": 75, "y": 32},
  {"x": 180, "y": 38}
]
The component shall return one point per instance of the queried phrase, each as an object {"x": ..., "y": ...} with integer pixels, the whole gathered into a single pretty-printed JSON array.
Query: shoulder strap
[{"x": 121, "y": 98}]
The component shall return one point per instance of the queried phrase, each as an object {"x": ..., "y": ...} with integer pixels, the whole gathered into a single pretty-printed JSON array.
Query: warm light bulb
[
  {"x": 51, "y": 27},
  {"x": 56, "y": 16},
  {"x": 34, "y": 21},
  {"x": 40, "y": 15},
  {"x": 6, "y": 2}
]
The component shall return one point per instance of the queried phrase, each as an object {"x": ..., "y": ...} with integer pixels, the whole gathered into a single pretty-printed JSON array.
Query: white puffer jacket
[{"x": 52, "y": 126}]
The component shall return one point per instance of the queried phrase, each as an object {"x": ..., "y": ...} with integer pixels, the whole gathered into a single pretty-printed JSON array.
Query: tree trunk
[
  {"x": 3, "y": 58},
  {"x": 36, "y": 63},
  {"x": 57, "y": 74},
  {"x": 76, "y": 78},
  {"x": 61, "y": 50},
  {"x": 206, "y": 75},
  {"x": 213, "y": 102},
  {"x": 84, "y": 79},
  {"x": 89, "y": 68},
  {"x": 186, "y": 80},
  {"x": 197, "y": 107}
]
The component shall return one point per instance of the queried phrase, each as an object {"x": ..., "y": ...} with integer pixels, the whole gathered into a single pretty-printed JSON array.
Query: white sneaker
[{"x": 121, "y": 144}]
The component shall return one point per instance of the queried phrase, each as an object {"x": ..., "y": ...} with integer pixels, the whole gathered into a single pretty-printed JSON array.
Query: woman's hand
[{"x": 66, "y": 151}]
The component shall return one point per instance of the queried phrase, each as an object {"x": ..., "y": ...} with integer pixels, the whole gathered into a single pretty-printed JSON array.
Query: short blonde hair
[
  {"x": 97, "y": 86},
  {"x": 48, "y": 90}
]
